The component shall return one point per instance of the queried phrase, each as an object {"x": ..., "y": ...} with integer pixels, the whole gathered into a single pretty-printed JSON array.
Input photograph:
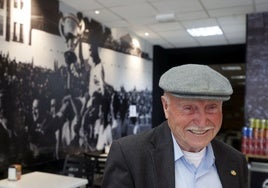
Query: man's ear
[
  {"x": 164, "y": 102},
  {"x": 165, "y": 105}
]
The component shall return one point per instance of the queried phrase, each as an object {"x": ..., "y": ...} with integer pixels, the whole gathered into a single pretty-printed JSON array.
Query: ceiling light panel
[{"x": 205, "y": 31}]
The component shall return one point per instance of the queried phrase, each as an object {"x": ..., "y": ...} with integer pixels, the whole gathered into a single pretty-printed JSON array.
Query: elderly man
[{"x": 182, "y": 152}]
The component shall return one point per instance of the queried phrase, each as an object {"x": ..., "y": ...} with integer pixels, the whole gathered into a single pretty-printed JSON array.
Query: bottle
[
  {"x": 256, "y": 137},
  {"x": 251, "y": 140},
  {"x": 262, "y": 137},
  {"x": 245, "y": 138}
]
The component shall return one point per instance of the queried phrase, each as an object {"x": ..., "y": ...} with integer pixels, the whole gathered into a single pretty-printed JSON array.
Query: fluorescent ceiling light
[
  {"x": 231, "y": 68},
  {"x": 205, "y": 31},
  {"x": 238, "y": 77}
]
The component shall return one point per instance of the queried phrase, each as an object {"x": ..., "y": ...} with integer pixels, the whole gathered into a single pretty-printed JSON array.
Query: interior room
[{"x": 77, "y": 75}]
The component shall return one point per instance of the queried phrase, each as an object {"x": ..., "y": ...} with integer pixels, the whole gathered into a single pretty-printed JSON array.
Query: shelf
[{"x": 251, "y": 157}]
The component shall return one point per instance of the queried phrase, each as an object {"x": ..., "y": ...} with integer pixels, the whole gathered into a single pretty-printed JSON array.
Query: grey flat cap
[{"x": 196, "y": 81}]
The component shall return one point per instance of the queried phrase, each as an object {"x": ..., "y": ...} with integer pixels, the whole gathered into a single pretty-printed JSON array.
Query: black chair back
[
  {"x": 79, "y": 166},
  {"x": 100, "y": 161}
]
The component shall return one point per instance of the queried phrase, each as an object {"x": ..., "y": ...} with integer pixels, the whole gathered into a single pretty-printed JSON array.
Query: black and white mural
[{"x": 66, "y": 84}]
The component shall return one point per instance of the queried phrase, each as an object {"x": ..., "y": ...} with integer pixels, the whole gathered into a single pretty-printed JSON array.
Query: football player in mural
[
  {"x": 70, "y": 127},
  {"x": 71, "y": 28},
  {"x": 93, "y": 111},
  {"x": 53, "y": 127},
  {"x": 99, "y": 115}
]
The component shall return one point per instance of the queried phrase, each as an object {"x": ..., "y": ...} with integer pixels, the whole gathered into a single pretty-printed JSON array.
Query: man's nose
[{"x": 201, "y": 118}]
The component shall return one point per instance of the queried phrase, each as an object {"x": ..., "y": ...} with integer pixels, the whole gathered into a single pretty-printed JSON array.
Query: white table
[{"x": 44, "y": 180}]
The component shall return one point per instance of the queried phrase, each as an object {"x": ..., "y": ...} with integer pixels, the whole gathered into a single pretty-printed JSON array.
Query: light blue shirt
[{"x": 188, "y": 176}]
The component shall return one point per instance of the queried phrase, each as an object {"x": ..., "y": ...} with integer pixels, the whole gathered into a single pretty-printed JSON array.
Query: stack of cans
[{"x": 255, "y": 137}]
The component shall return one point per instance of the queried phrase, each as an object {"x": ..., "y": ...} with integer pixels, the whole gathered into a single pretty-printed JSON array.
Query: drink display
[{"x": 255, "y": 137}]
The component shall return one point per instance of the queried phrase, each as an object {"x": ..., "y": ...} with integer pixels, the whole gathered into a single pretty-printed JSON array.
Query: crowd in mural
[{"x": 42, "y": 117}]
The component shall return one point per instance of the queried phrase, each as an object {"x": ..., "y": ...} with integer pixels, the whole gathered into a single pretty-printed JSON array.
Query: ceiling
[{"x": 139, "y": 16}]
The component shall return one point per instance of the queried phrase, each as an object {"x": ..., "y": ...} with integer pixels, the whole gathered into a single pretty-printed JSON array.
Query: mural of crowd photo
[
  {"x": 46, "y": 114},
  {"x": 41, "y": 119}
]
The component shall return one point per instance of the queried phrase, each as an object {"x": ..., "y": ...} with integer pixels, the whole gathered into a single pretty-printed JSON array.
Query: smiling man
[{"x": 182, "y": 152}]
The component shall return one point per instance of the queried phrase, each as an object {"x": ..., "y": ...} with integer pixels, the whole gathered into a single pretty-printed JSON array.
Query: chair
[
  {"x": 100, "y": 161},
  {"x": 79, "y": 166}
]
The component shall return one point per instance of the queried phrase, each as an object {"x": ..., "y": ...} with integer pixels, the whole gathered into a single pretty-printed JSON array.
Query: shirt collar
[{"x": 177, "y": 150}]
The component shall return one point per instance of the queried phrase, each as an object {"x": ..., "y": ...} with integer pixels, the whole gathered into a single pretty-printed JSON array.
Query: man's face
[
  {"x": 193, "y": 122},
  {"x": 35, "y": 107}
]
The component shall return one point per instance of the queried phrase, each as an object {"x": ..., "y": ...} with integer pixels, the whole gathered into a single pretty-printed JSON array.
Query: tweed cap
[{"x": 196, "y": 81}]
